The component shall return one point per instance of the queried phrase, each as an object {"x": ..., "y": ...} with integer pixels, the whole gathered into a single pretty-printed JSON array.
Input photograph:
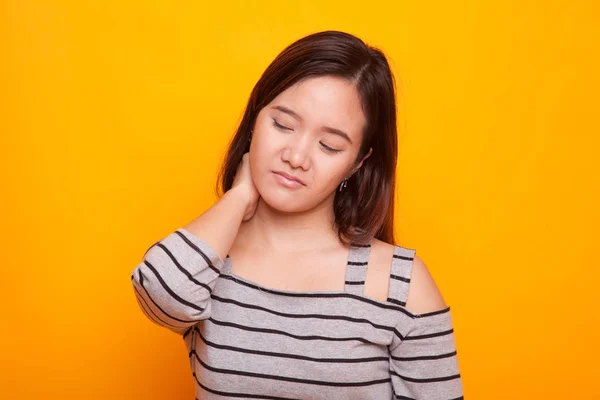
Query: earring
[{"x": 343, "y": 184}]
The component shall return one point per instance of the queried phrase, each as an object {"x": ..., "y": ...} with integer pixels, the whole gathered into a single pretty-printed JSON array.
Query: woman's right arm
[{"x": 175, "y": 279}]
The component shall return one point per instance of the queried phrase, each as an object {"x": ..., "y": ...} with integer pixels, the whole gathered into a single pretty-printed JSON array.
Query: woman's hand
[{"x": 243, "y": 184}]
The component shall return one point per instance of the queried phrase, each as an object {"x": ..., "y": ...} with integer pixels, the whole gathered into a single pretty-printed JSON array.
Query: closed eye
[
  {"x": 327, "y": 148},
  {"x": 280, "y": 126},
  {"x": 330, "y": 149}
]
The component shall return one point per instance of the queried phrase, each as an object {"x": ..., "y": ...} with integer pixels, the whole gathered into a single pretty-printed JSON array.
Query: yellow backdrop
[{"x": 115, "y": 116}]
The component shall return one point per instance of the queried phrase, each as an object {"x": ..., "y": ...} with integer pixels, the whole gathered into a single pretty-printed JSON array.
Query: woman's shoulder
[{"x": 424, "y": 294}]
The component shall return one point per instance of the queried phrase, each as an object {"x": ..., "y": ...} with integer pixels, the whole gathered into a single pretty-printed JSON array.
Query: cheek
[
  {"x": 257, "y": 160},
  {"x": 262, "y": 161},
  {"x": 267, "y": 139},
  {"x": 327, "y": 177}
]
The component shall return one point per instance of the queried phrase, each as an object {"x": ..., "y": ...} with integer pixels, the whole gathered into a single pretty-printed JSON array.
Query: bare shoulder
[
  {"x": 377, "y": 281},
  {"x": 423, "y": 294}
]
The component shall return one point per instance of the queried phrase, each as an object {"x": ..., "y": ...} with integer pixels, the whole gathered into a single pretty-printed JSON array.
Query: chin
[{"x": 280, "y": 200}]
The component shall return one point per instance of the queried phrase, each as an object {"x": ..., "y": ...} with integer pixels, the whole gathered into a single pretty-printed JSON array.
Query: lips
[{"x": 290, "y": 177}]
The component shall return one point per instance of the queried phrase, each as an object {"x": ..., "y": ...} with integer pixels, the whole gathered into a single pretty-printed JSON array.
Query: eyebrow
[{"x": 329, "y": 129}]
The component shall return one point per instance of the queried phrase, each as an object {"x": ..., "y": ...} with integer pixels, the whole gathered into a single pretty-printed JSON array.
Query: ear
[{"x": 361, "y": 162}]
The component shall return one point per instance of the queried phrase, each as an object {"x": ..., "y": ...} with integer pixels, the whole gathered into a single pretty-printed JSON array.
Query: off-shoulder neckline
[{"x": 228, "y": 273}]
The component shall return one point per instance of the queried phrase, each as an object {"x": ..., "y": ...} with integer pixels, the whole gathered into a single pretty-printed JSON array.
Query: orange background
[{"x": 115, "y": 116}]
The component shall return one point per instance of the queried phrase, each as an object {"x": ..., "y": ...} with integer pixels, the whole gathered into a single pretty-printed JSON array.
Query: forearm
[{"x": 218, "y": 226}]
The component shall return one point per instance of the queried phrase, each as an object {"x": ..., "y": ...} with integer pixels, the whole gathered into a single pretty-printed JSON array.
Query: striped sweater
[{"x": 245, "y": 340}]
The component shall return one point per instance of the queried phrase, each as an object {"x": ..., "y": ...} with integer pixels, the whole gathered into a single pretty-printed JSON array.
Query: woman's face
[{"x": 312, "y": 131}]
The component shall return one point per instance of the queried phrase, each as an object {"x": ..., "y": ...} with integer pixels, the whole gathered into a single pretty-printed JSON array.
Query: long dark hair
[{"x": 365, "y": 207}]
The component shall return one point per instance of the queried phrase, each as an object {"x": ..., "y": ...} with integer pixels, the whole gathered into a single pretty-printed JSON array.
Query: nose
[{"x": 297, "y": 152}]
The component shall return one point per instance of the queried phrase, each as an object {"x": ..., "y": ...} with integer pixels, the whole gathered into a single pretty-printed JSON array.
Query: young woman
[{"x": 291, "y": 285}]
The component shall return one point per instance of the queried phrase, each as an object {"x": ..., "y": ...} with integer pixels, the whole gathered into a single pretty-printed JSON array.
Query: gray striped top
[{"x": 249, "y": 341}]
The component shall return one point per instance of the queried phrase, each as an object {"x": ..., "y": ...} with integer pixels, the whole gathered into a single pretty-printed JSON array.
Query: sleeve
[
  {"x": 423, "y": 359},
  {"x": 175, "y": 279}
]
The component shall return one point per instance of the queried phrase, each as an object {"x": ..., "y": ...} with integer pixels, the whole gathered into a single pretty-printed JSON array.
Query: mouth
[{"x": 288, "y": 180}]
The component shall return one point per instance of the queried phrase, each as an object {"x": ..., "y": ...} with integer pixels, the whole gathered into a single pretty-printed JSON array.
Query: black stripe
[
  {"x": 278, "y": 332},
  {"x": 332, "y": 295},
  {"x": 170, "y": 291},
  {"x": 187, "y": 331},
  {"x": 359, "y": 263},
  {"x": 139, "y": 295},
  {"x": 243, "y": 395},
  {"x": 355, "y": 282},
  {"x": 150, "y": 248},
  {"x": 157, "y": 306},
  {"x": 320, "y": 295},
  {"x": 407, "y": 258},
  {"x": 287, "y": 355},
  {"x": 400, "y": 278},
  {"x": 434, "y": 357},
  {"x": 289, "y": 378},
  {"x": 361, "y": 245},
  {"x": 193, "y": 246},
  {"x": 427, "y": 314},
  {"x": 399, "y": 302},
  {"x": 143, "y": 306},
  {"x": 429, "y": 335},
  {"x": 301, "y": 316},
  {"x": 426, "y": 380},
  {"x": 404, "y": 397},
  {"x": 183, "y": 270}
]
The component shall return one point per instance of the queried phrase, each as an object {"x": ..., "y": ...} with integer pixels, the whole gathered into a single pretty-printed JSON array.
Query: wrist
[{"x": 239, "y": 196}]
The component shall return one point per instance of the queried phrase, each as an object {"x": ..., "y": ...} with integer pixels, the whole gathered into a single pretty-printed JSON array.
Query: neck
[{"x": 277, "y": 231}]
